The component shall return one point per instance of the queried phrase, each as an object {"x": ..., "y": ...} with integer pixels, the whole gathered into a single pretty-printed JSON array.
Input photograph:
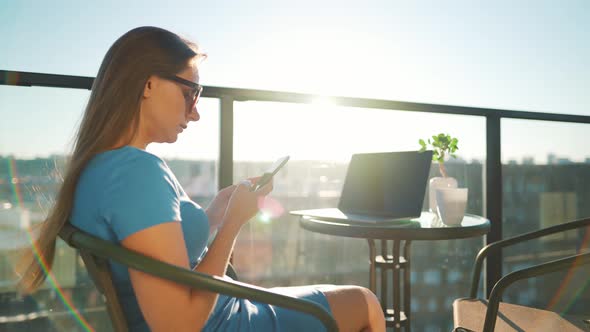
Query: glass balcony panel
[
  {"x": 36, "y": 133},
  {"x": 546, "y": 176},
  {"x": 194, "y": 156},
  {"x": 273, "y": 250}
]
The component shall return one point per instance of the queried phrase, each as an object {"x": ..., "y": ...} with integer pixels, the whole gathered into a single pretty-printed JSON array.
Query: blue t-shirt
[{"x": 124, "y": 191}]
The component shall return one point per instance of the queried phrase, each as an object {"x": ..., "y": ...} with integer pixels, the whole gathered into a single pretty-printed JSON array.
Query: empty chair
[{"x": 472, "y": 314}]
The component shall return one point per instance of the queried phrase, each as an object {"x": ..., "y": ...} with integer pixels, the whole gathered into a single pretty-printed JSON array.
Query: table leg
[
  {"x": 372, "y": 270},
  {"x": 396, "y": 286},
  {"x": 407, "y": 285},
  {"x": 384, "y": 277}
]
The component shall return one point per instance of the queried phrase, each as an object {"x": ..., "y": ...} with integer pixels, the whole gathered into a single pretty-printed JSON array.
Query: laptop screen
[{"x": 390, "y": 184}]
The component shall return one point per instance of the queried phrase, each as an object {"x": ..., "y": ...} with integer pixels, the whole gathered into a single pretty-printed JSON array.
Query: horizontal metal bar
[
  {"x": 85, "y": 82},
  {"x": 21, "y": 78}
]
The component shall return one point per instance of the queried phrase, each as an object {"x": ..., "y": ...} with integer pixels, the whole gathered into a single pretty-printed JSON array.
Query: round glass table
[{"x": 391, "y": 234}]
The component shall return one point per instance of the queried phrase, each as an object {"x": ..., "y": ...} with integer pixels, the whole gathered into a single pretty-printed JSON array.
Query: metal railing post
[
  {"x": 493, "y": 199},
  {"x": 226, "y": 142}
]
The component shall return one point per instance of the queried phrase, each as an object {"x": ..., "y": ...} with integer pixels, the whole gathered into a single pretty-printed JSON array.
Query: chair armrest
[
  {"x": 518, "y": 239},
  {"x": 533, "y": 271},
  {"x": 193, "y": 279}
]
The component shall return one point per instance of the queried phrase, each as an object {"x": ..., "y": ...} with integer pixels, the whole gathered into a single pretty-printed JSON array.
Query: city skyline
[{"x": 551, "y": 159}]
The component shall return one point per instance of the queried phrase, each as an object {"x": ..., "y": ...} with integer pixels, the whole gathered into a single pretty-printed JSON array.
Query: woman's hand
[
  {"x": 243, "y": 203},
  {"x": 217, "y": 207}
]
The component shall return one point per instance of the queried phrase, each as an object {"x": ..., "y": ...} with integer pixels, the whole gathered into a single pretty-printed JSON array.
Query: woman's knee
[
  {"x": 369, "y": 295},
  {"x": 372, "y": 301},
  {"x": 360, "y": 296},
  {"x": 356, "y": 308},
  {"x": 365, "y": 294}
]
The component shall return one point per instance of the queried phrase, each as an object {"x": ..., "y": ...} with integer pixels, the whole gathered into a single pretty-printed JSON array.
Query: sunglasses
[{"x": 193, "y": 97}]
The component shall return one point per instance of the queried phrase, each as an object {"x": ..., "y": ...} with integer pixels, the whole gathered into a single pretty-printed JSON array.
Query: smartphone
[{"x": 270, "y": 172}]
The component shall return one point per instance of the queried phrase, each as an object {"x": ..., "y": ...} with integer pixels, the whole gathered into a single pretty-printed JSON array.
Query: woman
[{"x": 146, "y": 91}]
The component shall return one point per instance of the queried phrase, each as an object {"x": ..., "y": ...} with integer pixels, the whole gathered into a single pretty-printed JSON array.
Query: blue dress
[{"x": 123, "y": 191}]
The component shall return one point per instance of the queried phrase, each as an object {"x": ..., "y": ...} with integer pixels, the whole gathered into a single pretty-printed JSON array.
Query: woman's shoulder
[
  {"x": 126, "y": 156},
  {"x": 122, "y": 185},
  {"x": 124, "y": 166},
  {"x": 125, "y": 161}
]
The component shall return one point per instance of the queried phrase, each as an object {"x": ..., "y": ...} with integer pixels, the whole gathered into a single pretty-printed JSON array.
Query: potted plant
[{"x": 443, "y": 145}]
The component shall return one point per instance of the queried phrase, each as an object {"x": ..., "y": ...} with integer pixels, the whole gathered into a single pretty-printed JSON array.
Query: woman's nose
[{"x": 194, "y": 115}]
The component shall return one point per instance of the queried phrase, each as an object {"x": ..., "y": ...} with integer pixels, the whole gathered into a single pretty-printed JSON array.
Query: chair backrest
[
  {"x": 100, "y": 272},
  {"x": 97, "y": 252}
]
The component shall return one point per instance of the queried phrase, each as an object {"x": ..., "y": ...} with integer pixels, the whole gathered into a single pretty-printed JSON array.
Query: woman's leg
[{"x": 355, "y": 308}]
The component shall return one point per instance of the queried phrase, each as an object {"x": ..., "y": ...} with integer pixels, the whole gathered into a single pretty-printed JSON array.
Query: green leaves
[
  {"x": 422, "y": 144},
  {"x": 442, "y": 145}
]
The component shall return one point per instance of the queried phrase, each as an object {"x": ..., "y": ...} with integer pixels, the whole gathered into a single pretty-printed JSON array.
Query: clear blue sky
[{"x": 521, "y": 55}]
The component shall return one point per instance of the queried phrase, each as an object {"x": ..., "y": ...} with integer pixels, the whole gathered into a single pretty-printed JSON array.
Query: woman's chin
[{"x": 169, "y": 139}]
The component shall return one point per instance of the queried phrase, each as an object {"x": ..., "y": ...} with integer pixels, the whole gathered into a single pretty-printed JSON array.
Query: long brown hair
[{"x": 111, "y": 116}]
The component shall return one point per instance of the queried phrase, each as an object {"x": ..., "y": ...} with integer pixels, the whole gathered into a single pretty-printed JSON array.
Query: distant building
[
  {"x": 14, "y": 218},
  {"x": 556, "y": 208}
]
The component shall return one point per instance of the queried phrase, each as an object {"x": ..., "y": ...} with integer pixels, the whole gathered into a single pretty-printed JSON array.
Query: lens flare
[
  {"x": 63, "y": 297},
  {"x": 567, "y": 281},
  {"x": 264, "y": 217},
  {"x": 271, "y": 207},
  {"x": 18, "y": 200},
  {"x": 14, "y": 181}
]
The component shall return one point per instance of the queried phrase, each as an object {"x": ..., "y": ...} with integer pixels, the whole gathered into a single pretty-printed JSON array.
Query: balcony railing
[{"x": 227, "y": 96}]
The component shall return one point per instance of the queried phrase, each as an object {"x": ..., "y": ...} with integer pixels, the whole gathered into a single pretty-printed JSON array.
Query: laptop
[{"x": 380, "y": 187}]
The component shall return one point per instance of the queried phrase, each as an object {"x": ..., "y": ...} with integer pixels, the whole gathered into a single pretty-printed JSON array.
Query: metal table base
[
  {"x": 397, "y": 315},
  {"x": 391, "y": 259}
]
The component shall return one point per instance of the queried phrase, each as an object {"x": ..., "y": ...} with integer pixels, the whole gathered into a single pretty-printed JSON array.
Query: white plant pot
[{"x": 435, "y": 183}]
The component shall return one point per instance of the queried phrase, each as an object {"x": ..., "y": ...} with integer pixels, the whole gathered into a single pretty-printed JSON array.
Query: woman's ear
[{"x": 150, "y": 84}]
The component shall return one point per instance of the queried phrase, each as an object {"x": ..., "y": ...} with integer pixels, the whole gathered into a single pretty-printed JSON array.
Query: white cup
[{"x": 451, "y": 204}]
